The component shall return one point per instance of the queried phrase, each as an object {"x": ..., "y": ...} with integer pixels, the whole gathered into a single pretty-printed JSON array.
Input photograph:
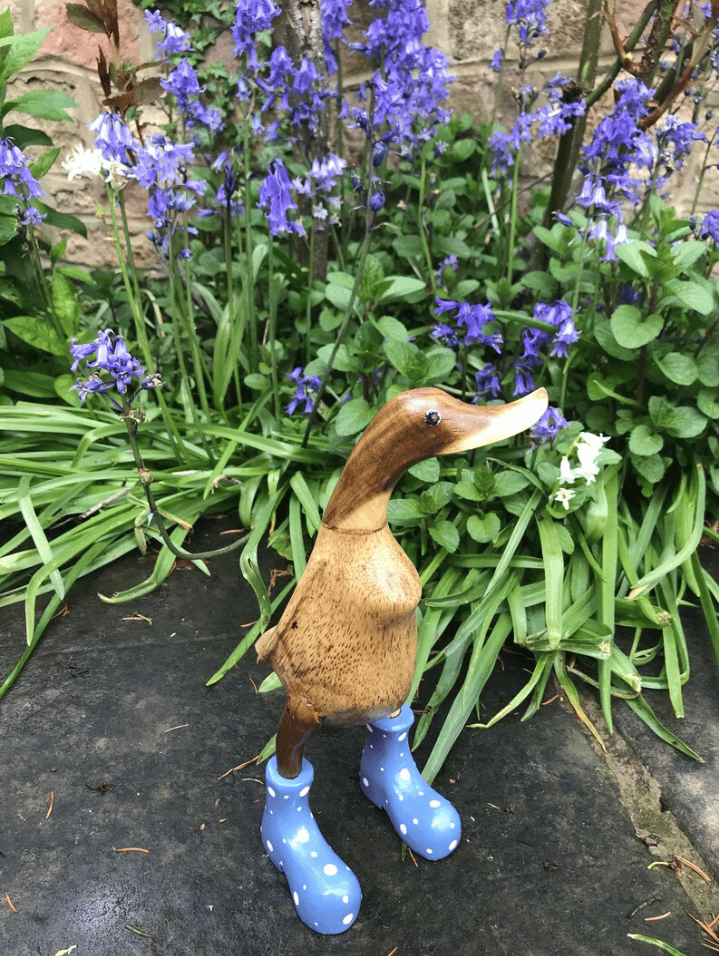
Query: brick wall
[{"x": 468, "y": 31}]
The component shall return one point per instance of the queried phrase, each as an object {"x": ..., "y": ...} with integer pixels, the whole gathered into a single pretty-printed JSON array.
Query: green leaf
[
  {"x": 404, "y": 510},
  {"x": 84, "y": 18},
  {"x": 38, "y": 332},
  {"x": 444, "y": 534},
  {"x": 43, "y": 104},
  {"x": 605, "y": 338},
  {"x": 30, "y": 384},
  {"x": 43, "y": 163},
  {"x": 650, "y": 468},
  {"x": 632, "y": 254},
  {"x": 686, "y": 253},
  {"x": 707, "y": 402},
  {"x": 509, "y": 483},
  {"x": 484, "y": 528},
  {"x": 643, "y": 442},
  {"x": 66, "y": 303},
  {"x": 392, "y": 328},
  {"x": 440, "y": 362},
  {"x": 436, "y": 497},
  {"x": 61, "y": 220},
  {"x": 462, "y": 149},
  {"x": 427, "y": 470},
  {"x": 708, "y": 364},
  {"x": 354, "y": 416},
  {"x": 687, "y": 422},
  {"x": 20, "y": 51},
  {"x": 401, "y": 287},
  {"x": 692, "y": 295},
  {"x": 25, "y": 136},
  {"x": 678, "y": 368},
  {"x": 631, "y": 330}
]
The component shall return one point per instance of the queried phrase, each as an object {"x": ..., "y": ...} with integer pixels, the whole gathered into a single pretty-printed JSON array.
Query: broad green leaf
[
  {"x": 651, "y": 467},
  {"x": 678, "y": 368},
  {"x": 401, "y": 287},
  {"x": 644, "y": 442},
  {"x": 693, "y": 296},
  {"x": 686, "y": 253},
  {"x": 38, "y": 332},
  {"x": 462, "y": 149},
  {"x": 444, "y": 534},
  {"x": 66, "y": 303},
  {"x": 484, "y": 528},
  {"x": 509, "y": 483},
  {"x": 605, "y": 337},
  {"x": 440, "y": 362},
  {"x": 84, "y": 18},
  {"x": 19, "y": 51},
  {"x": 707, "y": 402},
  {"x": 708, "y": 364},
  {"x": 43, "y": 104},
  {"x": 44, "y": 162},
  {"x": 687, "y": 422},
  {"x": 32, "y": 384},
  {"x": 392, "y": 328},
  {"x": 404, "y": 510},
  {"x": 632, "y": 254},
  {"x": 631, "y": 330},
  {"x": 427, "y": 470},
  {"x": 354, "y": 416},
  {"x": 24, "y": 136}
]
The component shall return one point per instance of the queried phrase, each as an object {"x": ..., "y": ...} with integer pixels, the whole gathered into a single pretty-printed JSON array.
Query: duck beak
[{"x": 477, "y": 425}]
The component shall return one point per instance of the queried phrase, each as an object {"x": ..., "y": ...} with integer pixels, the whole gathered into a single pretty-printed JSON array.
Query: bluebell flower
[
  {"x": 15, "y": 172},
  {"x": 474, "y": 319},
  {"x": 529, "y": 17},
  {"x": 183, "y": 84},
  {"x": 523, "y": 379},
  {"x": 449, "y": 262},
  {"x": 276, "y": 198},
  {"x": 377, "y": 200},
  {"x": 496, "y": 62},
  {"x": 708, "y": 228},
  {"x": 112, "y": 359},
  {"x": 448, "y": 335},
  {"x": 253, "y": 16},
  {"x": 548, "y": 426},
  {"x": 172, "y": 39},
  {"x": 487, "y": 381},
  {"x": 305, "y": 385},
  {"x": 114, "y": 139},
  {"x": 554, "y": 118}
]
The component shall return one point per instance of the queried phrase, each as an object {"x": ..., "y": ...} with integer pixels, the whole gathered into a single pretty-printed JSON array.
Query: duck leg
[
  {"x": 325, "y": 891},
  {"x": 298, "y": 725},
  {"x": 389, "y": 777}
]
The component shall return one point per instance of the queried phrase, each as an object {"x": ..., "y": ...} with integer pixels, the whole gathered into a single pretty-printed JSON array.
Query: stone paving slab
[{"x": 549, "y": 861}]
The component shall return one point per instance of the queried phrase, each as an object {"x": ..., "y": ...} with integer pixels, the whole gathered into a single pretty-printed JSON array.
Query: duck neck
[{"x": 359, "y": 502}]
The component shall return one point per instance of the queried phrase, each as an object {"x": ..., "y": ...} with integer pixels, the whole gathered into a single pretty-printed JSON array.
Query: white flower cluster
[
  {"x": 587, "y": 448},
  {"x": 85, "y": 163}
]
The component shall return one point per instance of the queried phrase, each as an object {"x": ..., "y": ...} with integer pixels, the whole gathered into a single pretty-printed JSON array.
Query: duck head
[{"x": 413, "y": 426}]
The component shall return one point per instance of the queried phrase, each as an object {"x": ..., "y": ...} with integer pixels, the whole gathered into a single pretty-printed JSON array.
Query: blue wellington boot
[
  {"x": 325, "y": 891},
  {"x": 427, "y": 823}
]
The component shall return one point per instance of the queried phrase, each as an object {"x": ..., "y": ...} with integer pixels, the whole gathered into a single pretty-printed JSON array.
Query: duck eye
[{"x": 432, "y": 417}]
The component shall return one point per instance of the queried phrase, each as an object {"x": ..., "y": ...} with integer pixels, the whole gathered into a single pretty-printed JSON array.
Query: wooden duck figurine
[{"x": 345, "y": 649}]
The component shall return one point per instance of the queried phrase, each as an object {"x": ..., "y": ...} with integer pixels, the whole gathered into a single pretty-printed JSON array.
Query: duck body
[
  {"x": 345, "y": 647},
  {"x": 347, "y": 641}
]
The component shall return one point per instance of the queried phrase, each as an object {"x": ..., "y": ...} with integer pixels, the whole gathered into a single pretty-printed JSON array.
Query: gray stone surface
[{"x": 548, "y": 864}]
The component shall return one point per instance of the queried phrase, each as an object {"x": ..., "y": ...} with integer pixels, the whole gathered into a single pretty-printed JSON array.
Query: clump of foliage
[{"x": 303, "y": 286}]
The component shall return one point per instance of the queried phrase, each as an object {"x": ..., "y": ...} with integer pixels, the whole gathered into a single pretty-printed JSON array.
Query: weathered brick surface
[{"x": 468, "y": 31}]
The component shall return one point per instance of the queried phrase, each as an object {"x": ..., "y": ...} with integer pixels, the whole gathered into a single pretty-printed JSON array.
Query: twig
[{"x": 52, "y": 804}]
